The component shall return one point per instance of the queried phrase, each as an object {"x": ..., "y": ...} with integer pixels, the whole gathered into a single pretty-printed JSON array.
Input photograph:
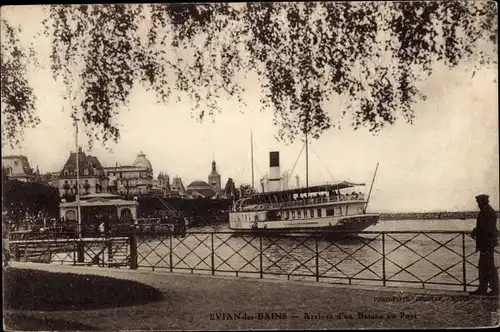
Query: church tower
[{"x": 214, "y": 179}]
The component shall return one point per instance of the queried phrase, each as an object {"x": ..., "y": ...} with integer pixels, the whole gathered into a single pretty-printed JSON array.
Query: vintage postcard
[{"x": 246, "y": 166}]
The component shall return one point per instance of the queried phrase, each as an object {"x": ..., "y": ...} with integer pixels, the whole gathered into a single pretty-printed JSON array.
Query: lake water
[{"x": 410, "y": 260}]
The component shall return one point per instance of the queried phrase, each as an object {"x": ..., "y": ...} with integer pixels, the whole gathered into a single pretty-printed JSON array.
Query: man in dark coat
[{"x": 486, "y": 236}]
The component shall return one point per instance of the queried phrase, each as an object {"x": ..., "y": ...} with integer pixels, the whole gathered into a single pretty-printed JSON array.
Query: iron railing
[{"x": 398, "y": 258}]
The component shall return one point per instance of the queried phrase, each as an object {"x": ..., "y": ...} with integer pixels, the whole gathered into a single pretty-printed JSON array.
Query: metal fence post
[
  {"x": 317, "y": 259},
  {"x": 109, "y": 247},
  {"x": 260, "y": 257},
  {"x": 17, "y": 253},
  {"x": 212, "y": 255},
  {"x": 170, "y": 254},
  {"x": 464, "y": 269},
  {"x": 383, "y": 259},
  {"x": 75, "y": 249},
  {"x": 133, "y": 251},
  {"x": 48, "y": 251}
]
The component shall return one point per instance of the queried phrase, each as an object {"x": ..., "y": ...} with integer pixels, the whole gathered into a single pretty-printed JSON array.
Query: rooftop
[
  {"x": 142, "y": 161},
  {"x": 198, "y": 185},
  {"x": 91, "y": 163}
]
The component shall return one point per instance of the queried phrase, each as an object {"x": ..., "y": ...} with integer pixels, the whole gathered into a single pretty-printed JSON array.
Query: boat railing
[{"x": 306, "y": 201}]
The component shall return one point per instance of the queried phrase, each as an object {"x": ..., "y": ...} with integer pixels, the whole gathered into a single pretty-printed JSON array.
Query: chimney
[
  {"x": 80, "y": 149},
  {"x": 298, "y": 181},
  {"x": 274, "y": 171}
]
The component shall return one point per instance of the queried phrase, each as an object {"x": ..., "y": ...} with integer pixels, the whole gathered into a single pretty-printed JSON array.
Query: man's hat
[{"x": 482, "y": 197}]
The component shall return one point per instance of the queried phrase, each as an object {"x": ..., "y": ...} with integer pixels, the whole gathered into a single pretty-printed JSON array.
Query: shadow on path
[
  {"x": 26, "y": 289},
  {"x": 24, "y": 322}
]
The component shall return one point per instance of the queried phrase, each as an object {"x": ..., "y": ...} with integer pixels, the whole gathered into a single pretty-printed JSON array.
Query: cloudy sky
[{"x": 449, "y": 155}]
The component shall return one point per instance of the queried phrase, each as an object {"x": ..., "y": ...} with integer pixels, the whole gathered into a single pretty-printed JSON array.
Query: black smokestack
[{"x": 274, "y": 159}]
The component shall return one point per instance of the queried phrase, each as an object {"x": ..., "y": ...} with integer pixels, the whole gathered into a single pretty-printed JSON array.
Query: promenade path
[{"x": 196, "y": 302}]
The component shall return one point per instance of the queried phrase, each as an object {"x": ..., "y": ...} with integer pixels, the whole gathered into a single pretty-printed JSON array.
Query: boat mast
[
  {"x": 307, "y": 162},
  {"x": 251, "y": 149},
  {"x": 371, "y": 186}
]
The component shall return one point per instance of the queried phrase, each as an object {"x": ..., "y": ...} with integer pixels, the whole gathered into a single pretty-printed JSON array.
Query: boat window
[
  {"x": 330, "y": 212},
  {"x": 287, "y": 214},
  {"x": 312, "y": 213},
  {"x": 298, "y": 214},
  {"x": 293, "y": 214},
  {"x": 305, "y": 213},
  {"x": 338, "y": 210}
]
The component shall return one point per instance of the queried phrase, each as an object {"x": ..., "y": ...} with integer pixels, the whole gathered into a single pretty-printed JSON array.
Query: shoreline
[{"x": 429, "y": 215}]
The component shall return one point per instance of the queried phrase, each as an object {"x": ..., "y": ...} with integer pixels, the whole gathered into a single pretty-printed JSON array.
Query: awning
[
  {"x": 312, "y": 189},
  {"x": 99, "y": 202}
]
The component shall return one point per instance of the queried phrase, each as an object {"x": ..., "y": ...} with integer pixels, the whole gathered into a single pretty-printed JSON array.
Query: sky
[{"x": 440, "y": 163}]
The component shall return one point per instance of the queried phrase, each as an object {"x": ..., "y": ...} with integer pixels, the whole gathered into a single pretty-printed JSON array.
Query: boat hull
[{"x": 325, "y": 227}]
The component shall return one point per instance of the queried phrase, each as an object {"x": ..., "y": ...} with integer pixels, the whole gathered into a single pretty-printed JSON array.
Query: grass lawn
[{"x": 24, "y": 322}]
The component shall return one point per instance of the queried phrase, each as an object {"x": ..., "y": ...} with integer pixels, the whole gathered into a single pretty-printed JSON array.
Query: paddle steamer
[
  {"x": 312, "y": 209},
  {"x": 315, "y": 209}
]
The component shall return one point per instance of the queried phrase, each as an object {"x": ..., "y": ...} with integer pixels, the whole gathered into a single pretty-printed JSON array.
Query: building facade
[
  {"x": 161, "y": 186},
  {"x": 214, "y": 179},
  {"x": 92, "y": 178},
  {"x": 18, "y": 168},
  {"x": 135, "y": 179},
  {"x": 51, "y": 179}
]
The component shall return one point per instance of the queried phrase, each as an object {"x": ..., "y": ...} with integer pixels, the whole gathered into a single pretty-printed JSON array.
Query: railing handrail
[
  {"x": 269, "y": 231},
  {"x": 312, "y": 201},
  {"x": 122, "y": 249}
]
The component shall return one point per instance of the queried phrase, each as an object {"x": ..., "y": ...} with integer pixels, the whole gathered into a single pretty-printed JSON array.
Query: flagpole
[{"x": 78, "y": 215}]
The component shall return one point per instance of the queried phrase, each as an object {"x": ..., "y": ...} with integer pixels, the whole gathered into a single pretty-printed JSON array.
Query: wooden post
[
  {"x": 80, "y": 251},
  {"x": 133, "y": 251}
]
